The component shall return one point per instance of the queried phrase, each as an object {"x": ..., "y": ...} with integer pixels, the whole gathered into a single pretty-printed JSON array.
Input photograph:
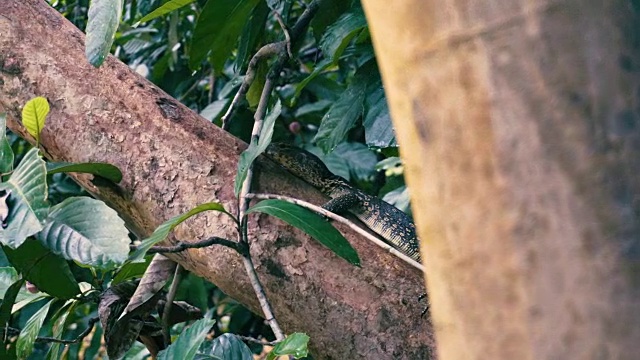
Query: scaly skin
[{"x": 386, "y": 220}]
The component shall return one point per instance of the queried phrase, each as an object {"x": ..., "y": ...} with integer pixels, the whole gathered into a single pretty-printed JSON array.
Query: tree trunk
[
  {"x": 172, "y": 160},
  {"x": 520, "y": 130}
]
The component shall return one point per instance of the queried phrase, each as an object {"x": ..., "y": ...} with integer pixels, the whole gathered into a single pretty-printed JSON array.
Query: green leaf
[
  {"x": 28, "y": 335},
  {"x": 104, "y": 17},
  {"x": 295, "y": 344},
  {"x": 323, "y": 65},
  {"x": 9, "y": 276},
  {"x": 341, "y": 117},
  {"x": 59, "y": 319},
  {"x": 189, "y": 341},
  {"x": 328, "y": 13},
  {"x": 48, "y": 272},
  {"x": 252, "y": 35},
  {"x": 378, "y": 128},
  {"x": 229, "y": 347},
  {"x": 254, "y": 150},
  {"x": 8, "y": 299},
  {"x": 214, "y": 111},
  {"x": 399, "y": 198},
  {"x": 217, "y": 29},
  {"x": 339, "y": 34},
  {"x": 87, "y": 231},
  {"x": 27, "y": 188},
  {"x": 34, "y": 115},
  {"x": 166, "y": 8},
  {"x": 6, "y": 153},
  {"x": 165, "y": 228},
  {"x": 107, "y": 171},
  {"x": 255, "y": 90},
  {"x": 312, "y": 224},
  {"x": 132, "y": 270}
]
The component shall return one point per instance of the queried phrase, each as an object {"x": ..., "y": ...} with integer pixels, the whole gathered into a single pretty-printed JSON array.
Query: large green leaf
[
  {"x": 229, "y": 347},
  {"x": 251, "y": 35},
  {"x": 107, "y": 171},
  {"x": 8, "y": 299},
  {"x": 341, "y": 117},
  {"x": 48, "y": 272},
  {"x": 59, "y": 319},
  {"x": 27, "y": 188},
  {"x": 34, "y": 115},
  {"x": 339, "y": 34},
  {"x": 254, "y": 150},
  {"x": 217, "y": 30},
  {"x": 186, "y": 347},
  {"x": 166, "y": 8},
  {"x": 295, "y": 345},
  {"x": 87, "y": 231},
  {"x": 344, "y": 113},
  {"x": 378, "y": 128},
  {"x": 104, "y": 17},
  {"x": 6, "y": 153},
  {"x": 312, "y": 224},
  {"x": 328, "y": 12},
  {"x": 30, "y": 331},
  {"x": 165, "y": 228}
]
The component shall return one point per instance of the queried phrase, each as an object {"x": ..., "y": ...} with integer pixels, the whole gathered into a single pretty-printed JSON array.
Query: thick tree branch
[{"x": 173, "y": 160}]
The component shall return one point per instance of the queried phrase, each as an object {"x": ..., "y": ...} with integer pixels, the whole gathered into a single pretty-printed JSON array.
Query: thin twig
[
  {"x": 243, "y": 205},
  {"x": 40, "y": 339},
  {"x": 166, "y": 326},
  {"x": 257, "y": 341},
  {"x": 181, "y": 246},
  {"x": 264, "y": 52},
  {"x": 339, "y": 218},
  {"x": 287, "y": 37}
]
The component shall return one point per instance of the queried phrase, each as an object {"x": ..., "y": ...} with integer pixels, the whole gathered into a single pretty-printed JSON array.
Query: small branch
[
  {"x": 181, "y": 246},
  {"x": 339, "y": 218},
  {"x": 41, "y": 339},
  {"x": 257, "y": 341},
  {"x": 287, "y": 37},
  {"x": 243, "y": 205},
  {"x": 166, "y": 326},
  {"x": 264, "y": 52}
]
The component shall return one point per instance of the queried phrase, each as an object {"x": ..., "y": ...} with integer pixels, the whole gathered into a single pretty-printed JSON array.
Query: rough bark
[
  {"x": 519, "y": 122},
  {"x": 173, "y": 160}
]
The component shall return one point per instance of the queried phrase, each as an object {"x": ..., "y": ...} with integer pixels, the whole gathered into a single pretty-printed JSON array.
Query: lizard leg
[{"x": 341, "y": 203}]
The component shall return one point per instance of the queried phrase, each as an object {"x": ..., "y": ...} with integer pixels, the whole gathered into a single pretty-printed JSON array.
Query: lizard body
[{"x": 393, "y": 225}]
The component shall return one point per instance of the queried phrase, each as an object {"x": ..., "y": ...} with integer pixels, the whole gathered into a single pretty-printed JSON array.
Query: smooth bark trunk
[
  {"x": 519, "y": 125},
  {"x": 173, "y": 160}
]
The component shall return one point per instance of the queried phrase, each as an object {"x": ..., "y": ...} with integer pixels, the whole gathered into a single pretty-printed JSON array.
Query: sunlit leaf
[{"x": 34, "y": 114}]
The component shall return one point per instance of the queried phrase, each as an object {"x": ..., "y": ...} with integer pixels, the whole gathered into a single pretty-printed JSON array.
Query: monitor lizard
[{"x": 392, "y": 224}]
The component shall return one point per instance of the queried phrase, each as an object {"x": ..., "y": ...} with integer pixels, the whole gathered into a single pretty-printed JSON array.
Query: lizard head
[{"x": 300, "y": 163}]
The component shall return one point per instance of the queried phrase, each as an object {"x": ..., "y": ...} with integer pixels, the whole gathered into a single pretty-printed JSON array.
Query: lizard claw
[{"x": 427, "y": 306}]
